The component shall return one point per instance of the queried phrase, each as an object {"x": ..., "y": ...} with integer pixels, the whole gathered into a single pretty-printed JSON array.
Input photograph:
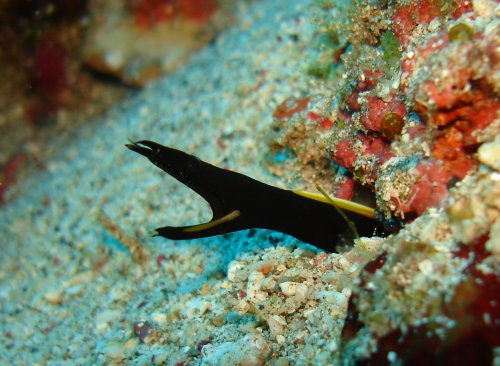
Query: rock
[
  {"x": 289, "y": 288},
  {"x": 54, "y": 297},
  {"x": 251, "y": 350},
  {"x": 489, "y": 154}
]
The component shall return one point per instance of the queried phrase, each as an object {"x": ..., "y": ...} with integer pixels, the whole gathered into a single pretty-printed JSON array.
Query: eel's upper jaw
[{"x": 145, "y": 147}]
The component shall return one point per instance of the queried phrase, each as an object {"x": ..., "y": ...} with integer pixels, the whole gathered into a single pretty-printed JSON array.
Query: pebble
[
  {"x": 489, "y": 154},
  {"x": 276, "y": 326},
  {"x": 104, "y": 318},
  {"x": 54, "y": 297},
  {"x": 159, "y": 318},
  {"x": 280, "y": 339},
  {"x": 235, "y": 273},
  {"x": 485, "y": 8},
  {"x": 289, "y": 288},
  {"x": 254, "y": 292},
  {"x": 425, "y": 267}
]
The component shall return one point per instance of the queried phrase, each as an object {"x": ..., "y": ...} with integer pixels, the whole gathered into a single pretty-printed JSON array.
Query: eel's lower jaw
[
  {"x": 170, "y": 232},
  {"x": 216, "y": 226},
  {"x": 179, "y": 233},
  {"x": 145, "y": 148}
]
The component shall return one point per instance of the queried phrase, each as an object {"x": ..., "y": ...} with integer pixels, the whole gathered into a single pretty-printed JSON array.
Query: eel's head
[{"x": 172, "y": 161}]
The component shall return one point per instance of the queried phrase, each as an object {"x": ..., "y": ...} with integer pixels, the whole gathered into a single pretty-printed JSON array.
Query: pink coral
[
  {"x": 345, "y": 189},
  {"x": 430, "y": 189},
  {"x": 408, "y": 16},
  {"x": 344, "y": 154},
  {"x": 377, "y": 109}
]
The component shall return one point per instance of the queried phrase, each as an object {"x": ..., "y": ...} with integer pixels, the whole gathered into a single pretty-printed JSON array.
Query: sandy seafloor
[{"x": 71, "y": 293}]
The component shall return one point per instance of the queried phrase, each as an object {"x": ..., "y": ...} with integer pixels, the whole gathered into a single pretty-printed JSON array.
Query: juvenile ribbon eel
[{"x": 239, "y": 202}]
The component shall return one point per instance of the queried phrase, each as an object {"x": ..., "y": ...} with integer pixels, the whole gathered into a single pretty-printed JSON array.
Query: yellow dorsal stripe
[
  {"x": 343, "y": 204},
  {"x": 230, "y": 216}
]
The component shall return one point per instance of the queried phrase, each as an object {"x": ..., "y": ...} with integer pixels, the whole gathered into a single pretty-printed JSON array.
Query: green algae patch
[{"x": 391, "y": 48}]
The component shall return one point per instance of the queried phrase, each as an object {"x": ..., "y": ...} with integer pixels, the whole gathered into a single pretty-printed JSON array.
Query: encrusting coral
[
  {"x": 415, "y": 121},
  {"x": 414, "y": 103}
]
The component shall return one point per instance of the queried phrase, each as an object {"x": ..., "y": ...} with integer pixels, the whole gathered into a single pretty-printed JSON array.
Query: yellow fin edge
[
  {"x": 230, "y": 216},
  {"x": 343, "y": 204}
]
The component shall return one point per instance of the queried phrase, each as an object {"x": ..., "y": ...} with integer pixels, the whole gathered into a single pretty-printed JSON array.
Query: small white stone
[
  {"x": 434, "y": 24},
  {"x": 332, "y": 346},
  {"x": 234, "y": 273},
  {"x": 308, "y": 313},
  {"x": 159, "y": 318},
  {"x": 114, "y": 59},
  {"x": 344, "y": 263},
  {"x": 242, "y": 307},
  {"x": 489, "y": 154},
  {"x": 268, "y": 283},
  {"x": 289, "y": 288},
  {"x": 280, "y": 339},
  {"x": 275, "y": 326},
  {"x": 493, "y": 243},
  {"x": 82, "y": 277},
  {"x": 132, "y": 343},
  {"x": 301, "y": 291},
  {"x": 74, "y": 290},
  {"x": 484, "y": 8},
  {"x": 280, "y": 269},
  {"x": 254, "y": 292},
  {"x": 104, "y": 319},
  {"x": 425, "y": 267},
  {"x": 114, "y": 351},
  {"x": 54, "y": 297},
  {"x": 280, "y": 320}
]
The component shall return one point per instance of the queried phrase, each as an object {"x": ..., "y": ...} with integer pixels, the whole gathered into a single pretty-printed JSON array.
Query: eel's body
[{"x": 239, "y": 202}]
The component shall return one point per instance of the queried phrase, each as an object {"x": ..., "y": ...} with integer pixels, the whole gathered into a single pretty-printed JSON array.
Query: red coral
[
  {"x": 313, "y": 116},
  {"x": 449, "y": 146},
  {"x": 344, "y": 154},
  {"x": 198, "y": 10},
  {"x": 148, "y": 13},
  {"x": 352, "y": 102},
  {"x": 326, "y": 123},
  {"x": 460, "y": 106},
  {"x": 417, "y": 132},
  {"x": 377, "y": 109},
  {"x": 363, "y": 155},
  {"x": 345, "y": 190},
  {"x": 430, "y": 189},
  {"x": 473, "y": 308},
  {"x": 408, "y": 16},
  {"x": 378, "y": 147},
  {"x": 369, "y": 80},
  {"x": 463, "y": 6},
  {"x": 291, "y": 106}
]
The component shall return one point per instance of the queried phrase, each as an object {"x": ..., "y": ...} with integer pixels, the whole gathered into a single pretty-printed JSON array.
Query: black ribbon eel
[{"x": 239, "y": 202}]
